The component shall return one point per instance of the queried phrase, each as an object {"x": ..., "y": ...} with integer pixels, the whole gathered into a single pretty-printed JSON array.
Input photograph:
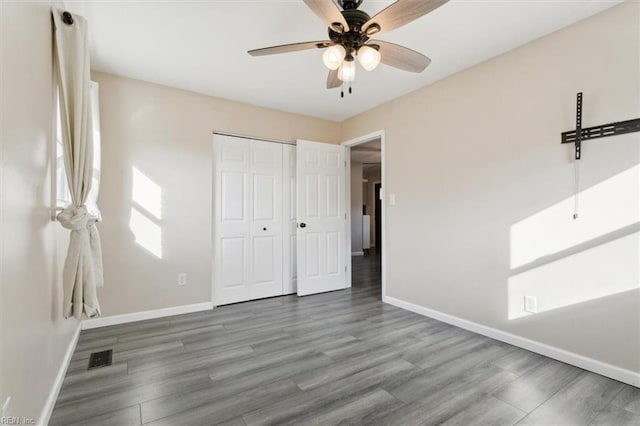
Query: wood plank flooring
[{"x": 336, "y": 358}]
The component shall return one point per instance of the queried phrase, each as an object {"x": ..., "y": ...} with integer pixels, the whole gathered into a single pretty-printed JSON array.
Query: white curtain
[{"x": 82, "y": 271}]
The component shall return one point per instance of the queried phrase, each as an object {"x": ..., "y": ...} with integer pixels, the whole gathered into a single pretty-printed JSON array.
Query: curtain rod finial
[{"x": 67, "y": 18}]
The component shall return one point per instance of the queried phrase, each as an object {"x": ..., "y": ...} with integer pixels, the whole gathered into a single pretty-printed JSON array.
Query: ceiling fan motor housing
[
  {"x": 355, "y": 38},
  {"x": 349, "y": 4}
]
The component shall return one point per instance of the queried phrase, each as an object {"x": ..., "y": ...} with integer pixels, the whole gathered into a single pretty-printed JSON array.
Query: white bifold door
[
  {"x": 279, "y": 219},
  {"x": 289, "y": 249},
  {"x": 322, "y": 220},
  {"x": 248, "y": 233}
]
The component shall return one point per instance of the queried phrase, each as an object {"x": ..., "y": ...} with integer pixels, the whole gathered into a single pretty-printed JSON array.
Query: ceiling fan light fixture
[
  {"x": 334, "y": 56},
  {"x": 347, "y": 71},
  {"x": 368, "y": 57},
  {"x": 372, "y": 29},
  {"x": 349, "y": 28}
]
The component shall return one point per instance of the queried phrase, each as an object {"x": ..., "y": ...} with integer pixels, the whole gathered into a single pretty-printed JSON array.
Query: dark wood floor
[{"x": 341, "y": 357}]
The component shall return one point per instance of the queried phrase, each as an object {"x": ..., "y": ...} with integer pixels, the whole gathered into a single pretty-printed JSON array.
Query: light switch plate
[
  {"x": 530, "y": 304},
  {"x": 182, "y": 279}
]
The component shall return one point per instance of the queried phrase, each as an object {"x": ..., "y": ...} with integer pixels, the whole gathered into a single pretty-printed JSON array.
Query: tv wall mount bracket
[{"x": 581, "y": 134}]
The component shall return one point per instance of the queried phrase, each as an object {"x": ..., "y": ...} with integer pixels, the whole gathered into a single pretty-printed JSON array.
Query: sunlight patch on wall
[
  {"x": 146, "y": 212},
  {"x": 147, "y": 233},
  {"x": 601, "y": 271},
  {"x": 147, "y": 194},
  {"x": 604, "y": 208}
]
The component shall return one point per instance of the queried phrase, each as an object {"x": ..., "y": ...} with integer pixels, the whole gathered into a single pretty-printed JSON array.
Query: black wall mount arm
[{"x": 582, "y": 134}]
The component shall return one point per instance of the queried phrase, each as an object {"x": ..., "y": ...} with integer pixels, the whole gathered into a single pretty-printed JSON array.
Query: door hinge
[{"x": 345, "y": 163}]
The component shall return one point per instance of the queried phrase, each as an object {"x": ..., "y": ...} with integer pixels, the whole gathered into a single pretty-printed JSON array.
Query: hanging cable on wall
[
  {"x": 576, "y": 188},
  {"x": 576, "y": 161}
]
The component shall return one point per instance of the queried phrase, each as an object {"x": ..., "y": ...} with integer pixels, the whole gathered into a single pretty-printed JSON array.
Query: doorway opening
[{"x": 366, "y": 225}]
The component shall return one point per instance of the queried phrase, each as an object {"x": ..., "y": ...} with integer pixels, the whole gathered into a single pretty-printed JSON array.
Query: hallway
[{"x": 366, "y": 272}]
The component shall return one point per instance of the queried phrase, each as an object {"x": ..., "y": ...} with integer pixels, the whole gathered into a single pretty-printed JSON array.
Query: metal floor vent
[{"x": 100, "y": 359}]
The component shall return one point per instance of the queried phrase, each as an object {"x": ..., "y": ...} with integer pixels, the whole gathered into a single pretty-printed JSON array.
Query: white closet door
[
  {"x": 321, "y": 217},
  {"x": 289, "y": 211},
  {"x": 231, "y": 228},
  {"x": 248, "y": 219},
  {"x": 266, "y": 219}
]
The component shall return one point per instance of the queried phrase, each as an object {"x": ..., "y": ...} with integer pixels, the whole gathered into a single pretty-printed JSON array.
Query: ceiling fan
[{"x": 350, "y": 32}]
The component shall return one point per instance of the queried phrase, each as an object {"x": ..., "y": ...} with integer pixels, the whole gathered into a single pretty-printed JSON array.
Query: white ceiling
[
  {"x": 368, "y": 153},
  {"x": 366, "y": 157},
  {"x": 201, "y": 46}
]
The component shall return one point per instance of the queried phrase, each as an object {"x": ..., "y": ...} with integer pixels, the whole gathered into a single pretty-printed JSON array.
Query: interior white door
[
  {"x": 289, "y": 247},
  {"x": 321, "y": 232},
  {"x": 247, "y": 259},
  {"x": 231, "y": 225},
  {"x": 265, "y": 209}
]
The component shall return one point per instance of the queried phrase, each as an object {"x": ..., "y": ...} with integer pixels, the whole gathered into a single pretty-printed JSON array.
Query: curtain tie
[{"x": 74, "y": 218}]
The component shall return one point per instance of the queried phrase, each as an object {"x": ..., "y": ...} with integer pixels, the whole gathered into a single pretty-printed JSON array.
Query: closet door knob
[
  {"x": 303, "y": 225},
  {"x": 264, "y": 229}
]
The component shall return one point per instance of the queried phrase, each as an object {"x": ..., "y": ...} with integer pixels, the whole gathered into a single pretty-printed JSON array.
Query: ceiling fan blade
[
  {"x": 329, "y": 13},
  {"x": 401, "y": 57},
  {"x": 400, "y": 13},
  {"x": 293, "y": 47},
  {"x": 332, "y": 80}
]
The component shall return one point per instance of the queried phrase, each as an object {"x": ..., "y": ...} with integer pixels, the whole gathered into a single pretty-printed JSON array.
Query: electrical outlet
[
  {"x": 182, "y": 279},
  {"x": 5, "y": 408},
  {"x": 530, "y": 304}
]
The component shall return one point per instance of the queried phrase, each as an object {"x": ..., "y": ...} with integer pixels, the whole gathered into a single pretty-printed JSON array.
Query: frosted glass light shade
[
  {"x": 368, "y": 57},
  {"x": 347, "y": 71},
  {"x": 333, "y": 56}
]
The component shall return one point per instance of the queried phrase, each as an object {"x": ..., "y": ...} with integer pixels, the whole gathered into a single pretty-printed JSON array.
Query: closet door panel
[
  {"x": 233, "y": 191},
  {"x": 249, "y": 219},
  {"x": 266, "y": 219},
  {"x": 231, "y": 267},
  {"x": 289, "y": 257}
]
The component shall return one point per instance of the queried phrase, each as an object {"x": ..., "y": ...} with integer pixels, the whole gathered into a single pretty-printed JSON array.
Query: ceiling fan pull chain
[
  {"x": 349, "y": 87},
  {"x": 342, "y": 90}
]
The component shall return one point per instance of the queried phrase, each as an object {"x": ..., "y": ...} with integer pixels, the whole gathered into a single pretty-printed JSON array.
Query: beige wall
[
  {"x": 33, "y": 336},
  {"x": 356, "y": 207},
  {"x": 474, "y": 159},
  {"x": 166, "y": 135}
]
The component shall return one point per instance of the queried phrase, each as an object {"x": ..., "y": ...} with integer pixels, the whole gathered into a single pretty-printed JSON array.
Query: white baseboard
[
  {"x": 45, "y": 415},
  {"x": 145, "y": 315},
  {"x": 623, "y": 375},
  {"x": 357, "y": 253}
]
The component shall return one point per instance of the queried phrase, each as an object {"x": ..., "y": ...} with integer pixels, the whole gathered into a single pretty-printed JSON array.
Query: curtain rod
[
  {"x": 236, "y": 135},
  {"x": 67, "y": 18}
]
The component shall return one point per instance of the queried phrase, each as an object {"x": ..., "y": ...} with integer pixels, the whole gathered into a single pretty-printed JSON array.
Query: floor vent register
[{"x": 100, "y": 359}]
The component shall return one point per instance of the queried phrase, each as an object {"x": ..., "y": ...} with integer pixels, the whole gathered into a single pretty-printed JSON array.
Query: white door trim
[{"x": 380, "y": 134}]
